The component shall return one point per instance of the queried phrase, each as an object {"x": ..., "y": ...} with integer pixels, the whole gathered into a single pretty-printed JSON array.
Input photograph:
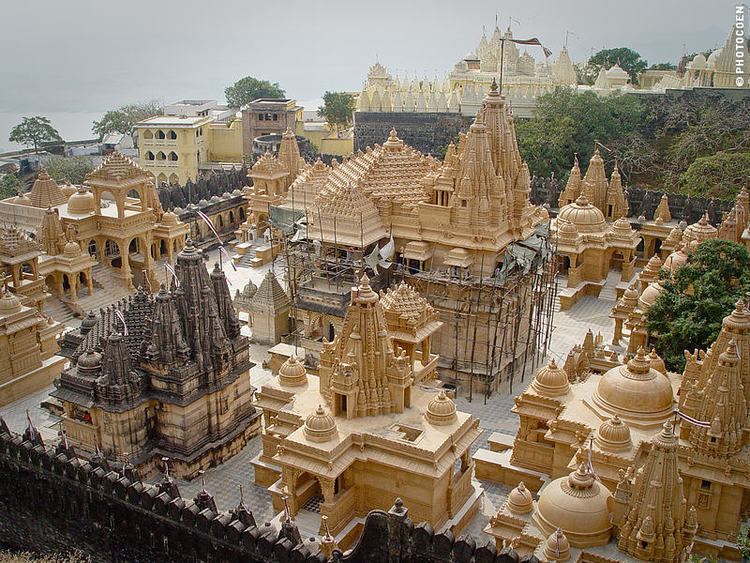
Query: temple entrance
[
  {"x": 308, "y": 492},
  {"x": 563, "y": 264}
]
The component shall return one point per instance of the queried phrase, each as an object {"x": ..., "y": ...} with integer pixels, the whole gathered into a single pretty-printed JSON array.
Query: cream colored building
[
  {"x": 191, "y": 136},
  {"x": 27, "y": 336},
  {"x": 366, "y": 429},
  {"x": 617, "y": 415}
]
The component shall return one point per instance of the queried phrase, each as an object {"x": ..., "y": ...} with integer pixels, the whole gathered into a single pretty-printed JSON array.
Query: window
[
  {"x": 160, "y": 156},
  {"x": 160, "y": 134},
  {"x": 173, "y": 156},
  {"x": 172, "y": 135},
  {"x": 275, "y": 116},
  {"x": 260, "y": 117},
  {"x": 150, "y": 155},
  {"x": 706, "y": 485},
  {"x": 148, "y": 134}
]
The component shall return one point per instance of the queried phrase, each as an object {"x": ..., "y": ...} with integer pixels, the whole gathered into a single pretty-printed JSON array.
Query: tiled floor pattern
[{"x": 224, "y": 480}]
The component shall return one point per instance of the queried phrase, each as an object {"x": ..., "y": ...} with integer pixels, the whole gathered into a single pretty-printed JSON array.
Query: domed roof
[
  {"x": 292, "y": 372},
  {"x": 441, "y": 411},
  {"x": 72, "y": 249},
  {"x": 89, "y": 361},
  {"x": 579, "y": 506},
  {"x": 169, "y": 218},
  {"x": 676, "y": 260},
  {"x": 698, "y": 62},
  {"x": 586, "y": 217},
  {"x": 566, "y": 230},
  {"x": 22, "y": 199},
  {"x": 68, "y": 189},
  {"x": 9, "y": 303},
  {"x": 617, "y": 72},
  {"x": 635, "y": 390},
  {"x": 81, "y": 202},
  {"x": 520, "y": 500},
  {"x": 656, "y": 362},
  {"x": 613, "y": 435},
  {"x": 320, "y": 426},
  {"x": 702, "y": 230},
  {"x": 88, "y": 322},
  {"x": 713, "y": 57},
  {"x": 557, "y": 547},
  {"x": 551, "y": 381},
  {"x": 649, "y": 295}
]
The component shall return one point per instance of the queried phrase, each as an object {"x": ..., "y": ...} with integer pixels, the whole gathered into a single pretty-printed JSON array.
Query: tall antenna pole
[{"x": 502, "y": 63}]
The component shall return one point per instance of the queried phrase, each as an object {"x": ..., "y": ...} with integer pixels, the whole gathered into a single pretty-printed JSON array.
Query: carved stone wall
[
  {"x": 52, "y": 502},
  {"x": 429, "y": 133}
]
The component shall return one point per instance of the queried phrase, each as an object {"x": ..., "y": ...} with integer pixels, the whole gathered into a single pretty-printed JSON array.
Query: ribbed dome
[
  {"x": 292, "y": 372},
  {"x": 702, "y": 230},
  {"x": 441, "y": 410},
  {"x": 557, "y": 547},
  {"x": 68, "y": 189},
  {"x": 72, "y": 249},
  {"x": 676, "y": 260},
  {"x": 649, "y": 295},
  {"x": 656, "y": 362},
  {"x": 169, "y": 218},
  {"x": 586, "y": 217},
  {"x": 613, "y": 435},
  {"x": 320, "y": 426},
  {"x": 88, "y": 362},
  {"x": 635, "y": 390},
  {"x": 551, "y": 380},
  {"x": 520, "y": 500},
  {"x": 88, "y": 322},
  {"x": 81, "y": 202},
  {"x": 579, "y": 506},
  {"x": 9, "y": 303},
  {"x": 567, "y": 231}
]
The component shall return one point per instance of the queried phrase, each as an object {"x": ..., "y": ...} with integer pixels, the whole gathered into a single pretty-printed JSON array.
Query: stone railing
[{"x": 53, "y": 501}]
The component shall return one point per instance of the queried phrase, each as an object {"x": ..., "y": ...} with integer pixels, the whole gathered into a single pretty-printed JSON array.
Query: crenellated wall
[{"x": 51, "y": 500}]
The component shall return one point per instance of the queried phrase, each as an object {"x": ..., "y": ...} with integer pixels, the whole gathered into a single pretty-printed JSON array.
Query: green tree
[
  {"x": 247, "y": 89},
  {"x": 122, "y": 119},
  {"x": 337, "y": 109},
  {"x": 630, "y": 61},
  {"x": 566, "y": 122},
  {"x": 663, "y": 66},
  {"x": 9, "y": 185},
  {"x": 585, "y": 74},
  {"x": 71, "y": 168},
  {"x": 33, "y": 131},
  {"x": 688, "y": 313},
  {"x": 719, "y": 175}
]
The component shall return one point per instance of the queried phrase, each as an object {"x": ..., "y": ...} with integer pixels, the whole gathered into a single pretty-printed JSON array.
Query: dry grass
[{"x": 26, "y": 557}]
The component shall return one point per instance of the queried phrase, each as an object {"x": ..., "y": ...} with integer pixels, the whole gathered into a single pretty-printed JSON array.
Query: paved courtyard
[{"x": 224, "y": 481}]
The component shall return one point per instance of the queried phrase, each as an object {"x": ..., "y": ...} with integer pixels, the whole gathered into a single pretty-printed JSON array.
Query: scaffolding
[{"x": 496, "y": 327}]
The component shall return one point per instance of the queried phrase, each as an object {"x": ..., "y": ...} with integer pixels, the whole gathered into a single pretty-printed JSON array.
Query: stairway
[
  {"x": 609, "y": 291},
  {"x": 246, "y": 259}
]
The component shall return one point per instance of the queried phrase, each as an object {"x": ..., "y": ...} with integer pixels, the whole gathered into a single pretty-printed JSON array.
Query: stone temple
[{"x": 163, "y": 375}]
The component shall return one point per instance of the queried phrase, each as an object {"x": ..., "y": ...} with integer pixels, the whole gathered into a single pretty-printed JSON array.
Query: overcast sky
[{"x": 75, "y": 59}]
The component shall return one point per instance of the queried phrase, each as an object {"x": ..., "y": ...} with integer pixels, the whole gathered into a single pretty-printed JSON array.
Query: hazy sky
[{"x": 74, "y": 59}]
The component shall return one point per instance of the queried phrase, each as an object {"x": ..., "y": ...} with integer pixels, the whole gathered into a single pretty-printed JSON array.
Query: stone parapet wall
[{"x": 50, "y": 500}]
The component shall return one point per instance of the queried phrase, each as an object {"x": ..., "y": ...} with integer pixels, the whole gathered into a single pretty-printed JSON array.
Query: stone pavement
[{"x": 223, "y": 481}]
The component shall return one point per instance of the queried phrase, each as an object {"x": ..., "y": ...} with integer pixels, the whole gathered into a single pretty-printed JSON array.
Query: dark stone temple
[{"x": 162, "y": 375}]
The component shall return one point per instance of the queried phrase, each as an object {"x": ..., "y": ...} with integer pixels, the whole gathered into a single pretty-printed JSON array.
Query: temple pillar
[
  {"x": 89, "y": 281},
  {"x": 426, "y": 351},
  {"x": 73, "y": 280},
  {"x": 125, "y": 258},
  {"x": 618, "y": 332},
  {"x": 15, "y": 273}
]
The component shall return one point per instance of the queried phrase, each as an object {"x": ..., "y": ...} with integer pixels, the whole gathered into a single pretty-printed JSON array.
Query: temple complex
[
  {"x": 368, "y": 427},
  {"x": 27, "y": 348},
  {"x": 617, "y": 417},
  {"x": 162, "y": 375},
  {"x": 464, "y": 88},
  {"x": 457, "y": 231},
  {"x": 116, "y": 217}
]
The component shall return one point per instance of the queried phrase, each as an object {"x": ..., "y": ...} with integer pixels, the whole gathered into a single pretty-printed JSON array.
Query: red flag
[{"x": 533, "y": 41}]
